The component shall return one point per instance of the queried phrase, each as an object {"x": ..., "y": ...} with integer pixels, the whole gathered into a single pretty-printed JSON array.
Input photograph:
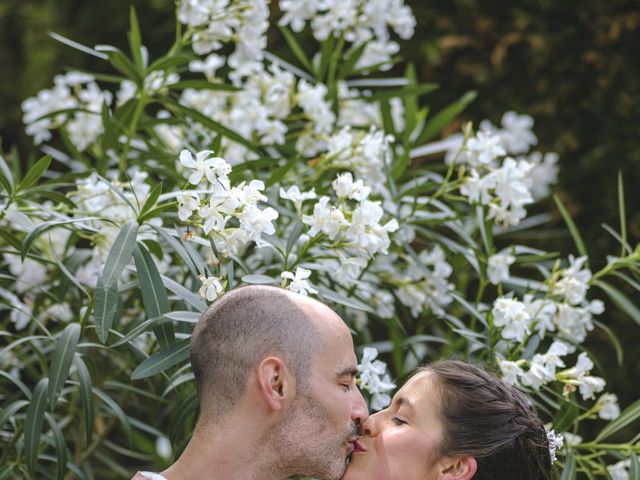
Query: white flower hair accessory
[{"x": 556, "y": 442}]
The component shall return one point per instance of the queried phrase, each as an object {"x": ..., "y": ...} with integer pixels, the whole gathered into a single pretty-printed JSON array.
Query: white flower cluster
[
  {"x": 216, "y": 22},
  {"x": 500, "y": 175},
  {"x": 154, "y": 83},
  {"x": 76, "y": 91},
  {"x": 358, "y": 21},
  {"x": 424, "y": 285},
  {"x": 620, "y": 470},
  {"x": 355, "y": 231},
  {"x": 230, "y": 215},
  {"x": 556, "y": 442},
  {"x": 373, "y": 378},
  {"x": 565, "y": 311},
  {"x": 299, "y": 283}
]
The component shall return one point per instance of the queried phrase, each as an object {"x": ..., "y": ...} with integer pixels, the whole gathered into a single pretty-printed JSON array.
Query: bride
[{"x": 453, "y": 421}]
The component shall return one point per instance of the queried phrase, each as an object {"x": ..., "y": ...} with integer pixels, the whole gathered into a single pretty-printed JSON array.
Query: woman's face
[{"x": 401, "y": 442}]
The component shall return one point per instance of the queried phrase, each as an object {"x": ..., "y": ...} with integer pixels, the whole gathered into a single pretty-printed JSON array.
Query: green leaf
[
  {"x": 566, "y": 416},
  {"x": 117, "y": 411},
  {"x": 6, "y": 177},
  {"x": 34, "y": 174},
  {"x": 342, "y": 299},
  {"x": 257, "y": 279},
  {"x": 155, "y": 211},
  {"x": 572, "y": 227},
  {"x": 634, "y": 467},
  {"x": 120, "y": 253},
  {"x": 154, "y": 295},
  {"x": 213, "y": 125},
  {"x": 298, "y": 228},
  {"x": 621, "y": 211},
  {"x": 203, "y": 85},
  {"x": 614, "y": 341},
  {"x": 151, "y": 200},
  {"x": 110, "y": 134},
  {"x": 10, "y": 411},
  {"x": 61, "y": 447},
  {"x": 279, "y": 174},
  {"x": 10, "y": 239},
  {"x": 569, "y": 470},
  {"x": 77, "y": 46},
  {"x": 169, "y": 62},
  {"x": 629, "y": 415},
  {"x": 185, "y": 294},
  {"x": 469, "y": 308},
  {"x": 135, "y": 39},
  {"x": 296, "y": 48},
  {"x": 173, "y": 355},
  {"x": 178, "y": 247},
  {"x": 86, "y": 399},
  {"x": 33, "y": 426},
  {"x": 620, "y": 300},
  {"x": 104, "y": 308},
  {"x": 43, "y": 227},
  {"x": 444, "y": 117},
  {"x": 121, "y": 63},
  {"x": 327, "y": 48},
  {"x": 61, "y": 361},
  {"x": 410, "y": 90},
  {"x": 351, "y": 59}
]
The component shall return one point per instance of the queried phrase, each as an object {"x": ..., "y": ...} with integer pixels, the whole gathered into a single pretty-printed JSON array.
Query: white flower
[
  {"x": 326, "y": 219},
  {"x": 511, "y": 371},
  {"x": 209, "y": 66},
  {"x": 607, "y": 406},
  {"x": 555, "y": 443},
  {"x": 574, "y": 282},
  {"x": 512, "y": 315},
  {"x": 211, "y": 288},
  {"x": 484, "y": 148},
  {"x": 375, "y": 379},
  {"x": 344, "y": 186},
  {"x": 188, "y": 202},
  {"x": 517, "y": 135},
  {"x": 299, "y": 283},
  {"x": 618, "y": 471},
  {"x": 296, "y": 196},
  {"x": 543, "y": 174},
  {"x": 214, "y": 168},
  {"x": 163, "y": 447},
  {"x": 498, "y": 267}
]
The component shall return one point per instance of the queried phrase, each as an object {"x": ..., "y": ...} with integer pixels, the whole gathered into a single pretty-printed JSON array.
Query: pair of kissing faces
[{"x": 400, "y": 442}]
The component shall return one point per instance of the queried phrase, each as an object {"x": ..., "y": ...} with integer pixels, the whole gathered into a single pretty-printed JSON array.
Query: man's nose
[{"x": 359, "y": 412}]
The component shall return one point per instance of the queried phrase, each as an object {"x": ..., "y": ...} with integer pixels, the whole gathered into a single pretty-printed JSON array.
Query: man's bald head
[{"x": 240, "y": 329}]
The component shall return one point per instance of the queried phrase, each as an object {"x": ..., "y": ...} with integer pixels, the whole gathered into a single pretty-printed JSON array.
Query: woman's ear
[
  {"x": 459, "y": 468},
  {"x": 274, "y": 382}
]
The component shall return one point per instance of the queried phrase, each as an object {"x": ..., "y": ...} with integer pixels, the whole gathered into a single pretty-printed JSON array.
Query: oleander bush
[{"x": 218, "y": 164}]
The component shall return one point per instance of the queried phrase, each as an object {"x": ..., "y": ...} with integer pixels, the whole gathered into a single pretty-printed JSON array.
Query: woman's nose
[{"x": 370, "y": 426}]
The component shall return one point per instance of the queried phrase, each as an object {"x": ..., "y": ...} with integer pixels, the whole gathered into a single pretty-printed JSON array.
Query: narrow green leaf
[
  {"x": 620, "y": 300},
  {"x": 203, "y": 85},
  {"x": 12, "y": 240},
  {"x": 298, "y": 228},
  {"x": 572, "y": 227},
  {"x": 614, "y": 341},
  {"x": 154, "y": 295},
  {"x": 569, "y": 470},
  {"x": 566, "y": 416},
  {"x": 410, "y": 90},
  {"x": 61, "y": 361},
  {"x": 33, "y": 426},
  {"x": 35, "y": 172},
  {"x": 444, "y": 118},
  {"x": 43, "y": 227},
  {"x": 634, "y": 467},
  {"x": 326, "y": 50},
  {"x": 86, "y": 399},
  {"x": 170, "y": 62},
  {"x": 177, "y": 245},
  {"x": 296, "y": 48},
  {"x": 621, "y": 210},
  {"x": 213, "y": 125},
  {"x": 173, "y": 355},
  {"x": 6, "y": 177},
  {"x": 61, "y": 447},
  {"x": 116, "y": 410},
  {"x": 184, "y": 294},
  {"x": 469, "y": 308},
  {"x": 77, "y": 46},
  {"x": 230, "y": 275},
  {"x": 351, "y": 59},
  {"x": 279, "y": 174},
  {"x": 151, "y": 199},
  {"x": 10, "y": 411},
  {"x": 120, "y": 253},
  {"x": 135, "y": 39},
  {"x": 155, "y": 211},
  {"x": 110, "y": 134},
  {"x": 257, "y": 279},
  {"x": 121, "y": 63},
  {"x": 104, "y": 307},
  {"x": 628, "y": 415},
  {"x": 342, "y": 299}
]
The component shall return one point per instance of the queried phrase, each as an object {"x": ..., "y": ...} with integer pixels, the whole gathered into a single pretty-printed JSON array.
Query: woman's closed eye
[{"x": 399, "y": 421}]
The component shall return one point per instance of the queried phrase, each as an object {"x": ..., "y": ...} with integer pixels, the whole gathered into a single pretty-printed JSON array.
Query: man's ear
[
  {"x": 459, "y": 468},
  {"x": 274, "y": 382}
]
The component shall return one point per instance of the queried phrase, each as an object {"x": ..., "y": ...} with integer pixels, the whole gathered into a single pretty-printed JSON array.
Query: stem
[{"x": 132, "y": 128}]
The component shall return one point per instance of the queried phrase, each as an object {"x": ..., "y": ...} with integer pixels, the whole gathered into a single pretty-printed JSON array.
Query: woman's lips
[{"x": 358, "y": 448}]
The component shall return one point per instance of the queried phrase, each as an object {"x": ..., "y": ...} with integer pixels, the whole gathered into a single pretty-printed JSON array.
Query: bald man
[{"x": 275, "y": 373}]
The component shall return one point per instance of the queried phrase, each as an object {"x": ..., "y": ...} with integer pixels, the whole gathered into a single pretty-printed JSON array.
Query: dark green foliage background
[{"x": 575, "y": 67}]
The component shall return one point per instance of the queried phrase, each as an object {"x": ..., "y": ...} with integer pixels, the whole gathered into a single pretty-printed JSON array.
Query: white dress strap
[{"x": 153, "y": 476}]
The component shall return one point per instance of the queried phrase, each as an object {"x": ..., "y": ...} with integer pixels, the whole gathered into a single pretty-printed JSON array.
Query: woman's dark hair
[{"x": 488, "y": 419}]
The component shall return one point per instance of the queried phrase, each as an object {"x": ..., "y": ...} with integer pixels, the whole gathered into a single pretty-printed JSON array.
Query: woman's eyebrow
[{"x": 403, "y": 402}]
